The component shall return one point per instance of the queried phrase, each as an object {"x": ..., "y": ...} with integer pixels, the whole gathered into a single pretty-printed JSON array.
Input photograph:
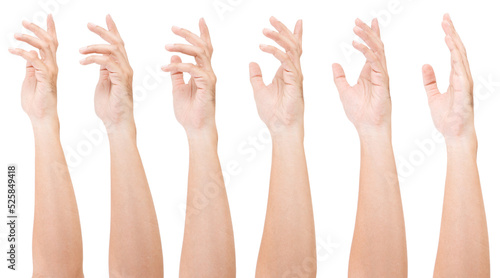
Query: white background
[{"x": 411, "y": 31}]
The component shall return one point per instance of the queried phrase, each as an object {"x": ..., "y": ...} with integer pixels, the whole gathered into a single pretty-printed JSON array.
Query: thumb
[
  {"x": 430, "y": 84},
  {"x": 339, "y": 78},
  {"x": 30, "y": 70},
  {"x": 256, "y": 76},
  {"x": 103, "y": 74},
  {"x": 177, "y": 77}
]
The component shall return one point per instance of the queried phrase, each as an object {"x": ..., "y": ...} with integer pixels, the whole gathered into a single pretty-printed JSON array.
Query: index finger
[
  {"x": 37, "y": 30},
  {"x": 280, "y": 26},
  {"x": 103, "y": 33}
]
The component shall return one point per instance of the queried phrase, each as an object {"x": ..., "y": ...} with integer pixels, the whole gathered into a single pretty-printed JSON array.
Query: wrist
[
  {"x": 464, "y": 143},
  {"x": 122, "y": 132},
  {"x": 202, "y": 136},
  {"x": 287, "y": 132},
  {"x": 45, "y": 125}
]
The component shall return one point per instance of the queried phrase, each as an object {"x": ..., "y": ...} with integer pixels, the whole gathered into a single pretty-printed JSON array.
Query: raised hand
[
  {"x": 379, "y": 218},
  {"x": 463, "y": 249},
  {"x": 208, "y": 245},
  {"x": 452, "y": 111},
  {"x": 113, "y": 94},
  {"x": 367, "y": 103},
  {"x": 57, "y": 238},
  {"x": 281, "y": 103},
  {"x": 39, "y": 90},
  {"x": 194, "y": 101}
]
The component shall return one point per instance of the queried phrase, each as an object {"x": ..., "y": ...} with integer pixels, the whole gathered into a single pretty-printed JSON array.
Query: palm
[
  {"x": 38, "y": 94},
  {"x": 451, "y": 110},
  {"x": 113, "y": 100},
  {"x": 194, "y": 102},
  {"x": 281, "y": 101},
  {"x": 367, "y": 103}
]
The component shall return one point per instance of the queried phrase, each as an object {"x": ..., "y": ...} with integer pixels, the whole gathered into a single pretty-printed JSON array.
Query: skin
[
  {"x": 379, "y": 242},
  {"x": 135, "y": 245},
  {"x": 208, "y": 246},
  {"x": 463, "y": 249},
  {"x": 288, "y": 245},
  {"x": 57, "y": 238}
]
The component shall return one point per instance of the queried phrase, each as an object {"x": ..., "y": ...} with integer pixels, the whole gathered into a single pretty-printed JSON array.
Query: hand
[
  {"x": 452, "y": 111},
  {"x": 39, "y": 90},
  {"x": 281, "y": 104},
  {"x": 368, "y": 103},
  {"x": 113, "y": 95},
  {"x": 194, "y": 102}
]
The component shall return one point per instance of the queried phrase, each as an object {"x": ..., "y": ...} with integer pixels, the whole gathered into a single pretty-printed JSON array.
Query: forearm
[
  {"x": 135, "y": 245},
  {"x": 379, "y": 241},
  {"x": 208, "y": 245},
  {"x": 463, "y": 245},
  {"x": 288, "y": 243},
  {"x": 57, "y": 239}
]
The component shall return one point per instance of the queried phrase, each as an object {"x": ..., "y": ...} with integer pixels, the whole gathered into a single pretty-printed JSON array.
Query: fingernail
[
  {"x": 272, "y": 18},
  {"x": 358, "y": 20},
  {"x": 11, "y": 49},
  {"x": 83, "y": 49},
  {"x": 175, "y": 28},
  {"x": 169, "y": 46},
  {"x": 266, "y": 30},
  {"x": 262, "y": 45},
  {"x": 92, "y": 24},
  {"x": 18, "y": 35},
  {"x": 25, "y": 22},
  {"x": 81, "y": 61}
]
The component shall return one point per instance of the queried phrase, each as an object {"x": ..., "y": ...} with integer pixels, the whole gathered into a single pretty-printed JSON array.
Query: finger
[
  {"x": 188, "y": 49},
  {"x": 188, "y": 36},
  {"x": 33, "y": 41},
  {"x": 100, "y": 49},
  {"x": 297, "y": 32},
  {"x": 30, "y": 69},
  {"x": 103, "y": 33},
  {"x": 369, "y": 36},
  {"x": 339, "y": 78},
  {"x": 31, "y": 57},
  {"x": 450, "y": 30},
  {"x": 280, "y": 39},
  {"x": 280, "y": 27},
  {"x": 280, "y": 55},
  {"x": 193, "y": 70},
  {"x": 39, "y": 32},
  {"x": 430, "y": 83},
  {"x": 112, "y": 27},
  {"x": 369, "y": 55},
  {"x": 256, "y": 77},
  {"x": 177, "y": 76},
  {"x": 204, "y": 33},
  {"x": 376, "y": 27},
  {"x": 102, "y": 60},
  {"x": 456, "y": 57},
  {"x": 51, "y": 26}
]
